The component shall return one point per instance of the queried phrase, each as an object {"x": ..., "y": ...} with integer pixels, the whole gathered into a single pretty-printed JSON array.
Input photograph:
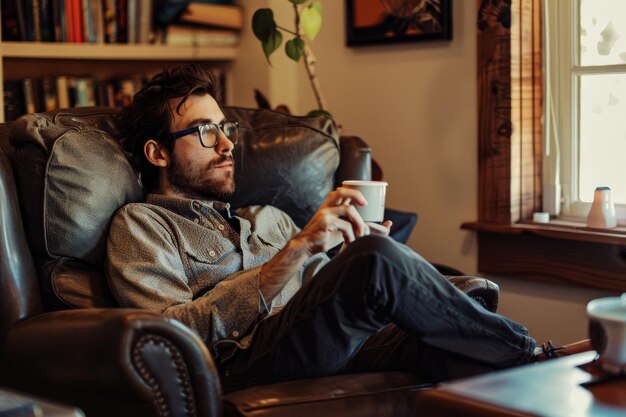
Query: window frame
[{"x": 562, "y": 92}]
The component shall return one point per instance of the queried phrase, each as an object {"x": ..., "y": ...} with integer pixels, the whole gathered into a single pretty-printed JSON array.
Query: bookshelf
[
  {"x": 37, "y": 59},
  {"x": 102, "y": 51}
]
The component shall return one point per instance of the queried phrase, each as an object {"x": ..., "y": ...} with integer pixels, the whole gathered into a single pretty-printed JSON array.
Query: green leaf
[
  {"x": 272, "y": 44},
  {"x": 263, "y": 24},
  {"x": 311, "y": 20},
  {"x": 297, "y": 1},
  {"x": 317, "y": 5},
  {"x": 294, "y": 48},
  {"x": 291, "y": 50},
  {"x": 299, "y": 44}
]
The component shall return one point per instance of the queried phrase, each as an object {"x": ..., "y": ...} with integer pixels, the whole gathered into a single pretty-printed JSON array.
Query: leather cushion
[
  {"x": 283, "y": 160},
  {"x": 73, "y": 177}
]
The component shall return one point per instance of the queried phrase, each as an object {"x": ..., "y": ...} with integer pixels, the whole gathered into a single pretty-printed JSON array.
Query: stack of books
[
  {"x": 204, "y": 23},
  {"x": 78, "y": 21}
]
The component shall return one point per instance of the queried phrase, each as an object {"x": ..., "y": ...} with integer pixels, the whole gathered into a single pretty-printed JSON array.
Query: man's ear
[{"x": 156, "y": 153}]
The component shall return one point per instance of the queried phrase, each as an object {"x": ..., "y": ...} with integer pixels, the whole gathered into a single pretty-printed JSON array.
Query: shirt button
[
  {"x": 221, "y": 227},
  {"x": 212, "y": 253},
  {"x": 235, "y": 333}
]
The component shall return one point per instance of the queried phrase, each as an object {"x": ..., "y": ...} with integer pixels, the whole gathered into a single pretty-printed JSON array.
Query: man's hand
[
  {"x": 335, "y": 221},
  {"x": 380, "y": 229}
]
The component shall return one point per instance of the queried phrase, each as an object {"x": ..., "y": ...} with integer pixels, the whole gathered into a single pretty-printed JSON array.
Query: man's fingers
[
  {"x": 345, "y": 228},
  {"x": 350, "y": 214},
  {"x": 345, "y": 196},
  {"x": 380, "y": 229},
  {"x": 359, "y": 226}
]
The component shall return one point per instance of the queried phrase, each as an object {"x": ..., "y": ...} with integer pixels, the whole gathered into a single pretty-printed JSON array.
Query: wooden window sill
[
  {"x": 558, "y": 229},
  {"x": 558, "y": 252}
]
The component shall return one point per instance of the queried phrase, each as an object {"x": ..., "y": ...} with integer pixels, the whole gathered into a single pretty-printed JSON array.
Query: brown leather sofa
[{"x": 62, "y": 176}]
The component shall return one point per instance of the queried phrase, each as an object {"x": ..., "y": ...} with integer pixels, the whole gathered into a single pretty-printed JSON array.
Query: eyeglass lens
[{"x": 209, "y": 133}]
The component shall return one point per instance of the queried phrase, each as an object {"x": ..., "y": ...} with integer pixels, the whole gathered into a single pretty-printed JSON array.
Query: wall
[{"x": 415, "y": 104}]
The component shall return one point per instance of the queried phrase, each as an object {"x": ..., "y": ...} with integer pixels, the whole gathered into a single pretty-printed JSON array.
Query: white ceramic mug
[
  {"x": 607, "y": 330},
  {"x": 374, "y": 193}
]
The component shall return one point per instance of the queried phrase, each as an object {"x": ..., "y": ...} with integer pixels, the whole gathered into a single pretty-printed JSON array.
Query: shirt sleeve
[{"x": 145, "y": 270}]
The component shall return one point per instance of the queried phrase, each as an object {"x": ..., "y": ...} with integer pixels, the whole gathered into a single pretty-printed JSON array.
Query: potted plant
[{"x": 307, "y": 24}]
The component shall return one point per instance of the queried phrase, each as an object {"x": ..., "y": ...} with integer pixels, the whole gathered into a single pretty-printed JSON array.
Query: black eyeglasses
[{"x": 209, "y": 133}]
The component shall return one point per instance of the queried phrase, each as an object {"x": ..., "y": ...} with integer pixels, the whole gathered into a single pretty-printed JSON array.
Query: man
[{"x": 261, "y": 293}]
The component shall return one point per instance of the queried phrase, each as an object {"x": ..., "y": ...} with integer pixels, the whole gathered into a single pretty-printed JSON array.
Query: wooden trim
[
  {"x": 558, "y": 254},
  {"x": 43, "y": 50},
  {"x": 494, "y": 118},
  {"x": 510, "y": 133}
]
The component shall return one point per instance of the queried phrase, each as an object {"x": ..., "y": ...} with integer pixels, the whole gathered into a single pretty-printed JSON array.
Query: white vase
[{"x": 602, "y": 213}]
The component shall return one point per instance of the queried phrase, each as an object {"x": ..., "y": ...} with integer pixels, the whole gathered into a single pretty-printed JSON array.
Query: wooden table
[{"x": 548, "y": 389}]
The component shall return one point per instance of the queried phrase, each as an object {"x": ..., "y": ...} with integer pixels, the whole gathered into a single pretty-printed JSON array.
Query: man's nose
[{"x": 224, "y": 145}]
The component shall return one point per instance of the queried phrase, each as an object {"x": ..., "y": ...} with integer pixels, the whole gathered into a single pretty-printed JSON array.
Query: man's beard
[{"x": 198, "y": 182}]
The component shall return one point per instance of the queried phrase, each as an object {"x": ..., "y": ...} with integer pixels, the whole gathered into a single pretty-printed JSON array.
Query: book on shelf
[
  {"x": 88, "y": 21},
  {"x": 84, "y": 93},
  {"x": 50, "y": 97},
  {"x": 12, "y": 20},
  {"x": 131, "y": 16},
  {"x": 46, "y": 23},
  {"x": 29, "y": 24},
  {"x": 97, "y": 7},
  {"x": 63, "y": 96},
  {"x": 58, "y": 21},
  {"x": 191, "y": 35},
  {"x": 122, "y": 21},
  {"x": 32, "y": 90},
  {"x": 144, "y": 21},
  {"x": 13, "y": 100},
  {"x": 68, "y": 10},
  {"x": 75, "y": 32},
  {"x": 215, "y": 15},
  {"x": 110, "y": 21}
]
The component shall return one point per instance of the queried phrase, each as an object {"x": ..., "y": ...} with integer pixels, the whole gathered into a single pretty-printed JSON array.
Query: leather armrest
[
  {"x": 484, "y": 291},
  {"x": 355, "y": 162},
  {"x": 129, "y": 354}
]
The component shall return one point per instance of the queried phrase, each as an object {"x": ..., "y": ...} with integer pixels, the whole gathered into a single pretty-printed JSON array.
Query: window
[{"x": 585, "y": 90}]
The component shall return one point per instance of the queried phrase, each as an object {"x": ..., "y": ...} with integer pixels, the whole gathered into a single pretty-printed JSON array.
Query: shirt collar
[{"x": 187, "y": 207}]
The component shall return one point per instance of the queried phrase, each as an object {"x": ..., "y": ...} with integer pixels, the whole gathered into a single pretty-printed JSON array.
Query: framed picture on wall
[{"x": 388, "y": 21}]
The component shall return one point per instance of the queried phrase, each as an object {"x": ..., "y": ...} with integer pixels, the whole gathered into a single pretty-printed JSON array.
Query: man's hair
[{"x": 149, "y": 116}]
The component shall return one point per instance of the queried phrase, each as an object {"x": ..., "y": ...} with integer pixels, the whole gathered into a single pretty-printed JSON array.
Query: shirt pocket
[
  {"x": 211, "y": 263},
  {"x": 271, "y": 238}
]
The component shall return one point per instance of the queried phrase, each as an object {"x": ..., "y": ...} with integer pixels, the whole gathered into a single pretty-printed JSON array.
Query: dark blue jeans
[{"x": 378, "y": 306}]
